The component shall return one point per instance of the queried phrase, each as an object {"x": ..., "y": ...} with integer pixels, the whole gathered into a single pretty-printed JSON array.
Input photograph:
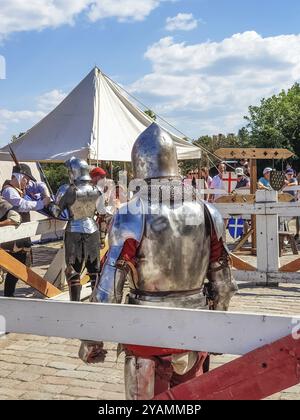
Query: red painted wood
[{"x": 255, "y": 376}]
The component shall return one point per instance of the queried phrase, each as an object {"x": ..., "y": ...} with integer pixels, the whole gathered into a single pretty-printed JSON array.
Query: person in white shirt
[{"x": 217, "y": 182}]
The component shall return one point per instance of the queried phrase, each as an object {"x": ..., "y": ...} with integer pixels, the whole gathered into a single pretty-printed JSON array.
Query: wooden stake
[{"x": 25, "y": 274}]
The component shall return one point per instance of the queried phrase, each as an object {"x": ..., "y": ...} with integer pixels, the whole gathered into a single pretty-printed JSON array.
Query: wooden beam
[
  {"x": 241, "y": 209},
  {"x": 253, "y": 153},
  {"x": 284, "y": 209},
  {"x": 217, "y": 332},
  {"x": 250, "y": 276},
  {"x": 240, "y": 264},
  {"x": 257, "y": 375},
  {"x": 55, "y": 268},
  {"x": 25, "y": 274},
  {"x": 10, "y": 233},
  {"x": 243, "y": 240},
  {"x": 284, "y": 277},
  {"x": 236, "y": 199},
  {"x": 291, "y": 267}
]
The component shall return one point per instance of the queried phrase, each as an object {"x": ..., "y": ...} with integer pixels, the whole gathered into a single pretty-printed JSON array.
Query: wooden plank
[
  {"x": 236, "y": 198},
  {"x": 284, "y": 209},
  {"x": 291, "y": 267},
  {"x": 284, "y": 277},
  {"x": 56, "y": 267},
  {"x": 218, "y": 332},
  {"x": 25, "y": 274},
  {"x": 240, "y": 209},
  {"x": 10, "y": 233},
  {"x": 243, "y": 240},
  {"x": 285, "y": 198},
  {"x": 250, "y": 276},
  {"x": 257, "y": 375},
  {"x": 240, "y": 264},
  {"x": 253, "y": 153}
]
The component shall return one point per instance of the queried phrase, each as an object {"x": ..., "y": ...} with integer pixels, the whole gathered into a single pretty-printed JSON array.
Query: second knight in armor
[{"x": 82, "y": 242}]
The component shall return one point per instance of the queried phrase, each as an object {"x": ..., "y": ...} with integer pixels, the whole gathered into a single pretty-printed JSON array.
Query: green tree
[
  {"x": 151, "y": 114},
  {"x": 56, "y": 173},
  {"x": 276, "y": 121}
]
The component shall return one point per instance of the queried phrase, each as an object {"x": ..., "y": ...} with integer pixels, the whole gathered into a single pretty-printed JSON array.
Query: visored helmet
[
  {"x": 154, "y": 155},
  {"x": 78, "y": 170}
]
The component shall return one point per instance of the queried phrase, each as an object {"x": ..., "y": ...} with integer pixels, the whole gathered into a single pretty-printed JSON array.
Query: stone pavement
[{"x": 36, "y": 368}]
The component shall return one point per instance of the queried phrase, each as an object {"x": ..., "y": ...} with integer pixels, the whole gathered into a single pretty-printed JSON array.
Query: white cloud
[
  {"x": 122, "y": 9},
  {"x": 2, "y": 67},
  {"x": 14, "y": 122},
  {"x": 20, "y": 15},
  {"x": 50, "y": 100},
  {"x": 209, "y": 86},
  {"x": 181, "y": 22}
]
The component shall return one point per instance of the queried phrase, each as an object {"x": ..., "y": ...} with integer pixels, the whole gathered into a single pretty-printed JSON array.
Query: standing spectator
[
  {"x": 242, "y": 180},
  {"x": 98, "y": 178},
  {"x": 205, "y": 175},
  {"x": 243, "y": 163},
  {"x": 191, "y": 178},
  {"x": 217, "y": 181},
  {"x": 291, "y": 181},
  {"x": 8, "y": 217},
  {"x": 17, "y": 192},
  {"x": 264, "y": 181}
]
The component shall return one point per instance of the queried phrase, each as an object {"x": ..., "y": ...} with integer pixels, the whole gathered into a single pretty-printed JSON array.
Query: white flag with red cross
[{"x": 229, "y": 180}]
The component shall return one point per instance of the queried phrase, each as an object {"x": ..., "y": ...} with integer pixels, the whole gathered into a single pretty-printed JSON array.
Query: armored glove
[{"x": 92, "y": 352}]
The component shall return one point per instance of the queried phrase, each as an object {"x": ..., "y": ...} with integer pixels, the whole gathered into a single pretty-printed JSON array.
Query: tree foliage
[
  {"x": 151, "y": 114},
  {"x": 56, "y": 173},
  {"x": 275, "y": 122}
]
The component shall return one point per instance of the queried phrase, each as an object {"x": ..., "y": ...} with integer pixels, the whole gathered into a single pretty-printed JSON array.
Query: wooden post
[
  {"x": 253, "y": 182},
  {"x": 111, "y": 170},
  {"x": 267, "y": 235}
]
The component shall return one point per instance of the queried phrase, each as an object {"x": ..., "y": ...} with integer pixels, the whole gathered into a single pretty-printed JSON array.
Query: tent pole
[
  {"x": 111, "y": 170},
  {"x": 98, "y": 112}
]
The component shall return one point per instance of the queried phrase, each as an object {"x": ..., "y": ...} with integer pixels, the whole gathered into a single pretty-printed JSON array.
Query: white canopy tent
[{"x": 95, "y": 121}]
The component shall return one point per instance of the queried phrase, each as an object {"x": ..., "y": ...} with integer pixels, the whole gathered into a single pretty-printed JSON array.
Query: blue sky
[{"x": 199, "y": 63}]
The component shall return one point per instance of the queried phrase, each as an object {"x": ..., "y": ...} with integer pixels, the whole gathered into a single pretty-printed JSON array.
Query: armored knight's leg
[
  {"x": 222, "y": 285},
  {"x": 139, "y": 376},
  {"x": 93, "y": 271},
  {"x": 73, "y": 279}
]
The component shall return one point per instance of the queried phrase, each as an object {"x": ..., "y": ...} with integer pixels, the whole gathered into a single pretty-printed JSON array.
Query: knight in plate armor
[
  {"x": 82, "y": 242},
  {"x": 170, "y": 248}
]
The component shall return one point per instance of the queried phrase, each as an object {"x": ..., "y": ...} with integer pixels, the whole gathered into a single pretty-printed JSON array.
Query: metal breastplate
[
  {"x": 83, "y": 209},
  {"x": 174, "y": 253}
]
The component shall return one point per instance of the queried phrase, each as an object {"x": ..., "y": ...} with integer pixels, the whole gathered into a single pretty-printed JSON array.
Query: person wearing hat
[
  {"x": 264, "y": 181},
  {"x": 98, "y": 177},
  {"x": 17, "y": 192},
  {"x": 23, "y": 185},
  {"x": 8, "y": 217},
  {"x": 291, "y": 181},
  {"x": 242, "y": 180}
]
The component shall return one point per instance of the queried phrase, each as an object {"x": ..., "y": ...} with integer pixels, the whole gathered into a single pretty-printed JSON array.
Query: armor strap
[
  {"x": 129, "y": 266},
  {"x": 177, "y": 293}
]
